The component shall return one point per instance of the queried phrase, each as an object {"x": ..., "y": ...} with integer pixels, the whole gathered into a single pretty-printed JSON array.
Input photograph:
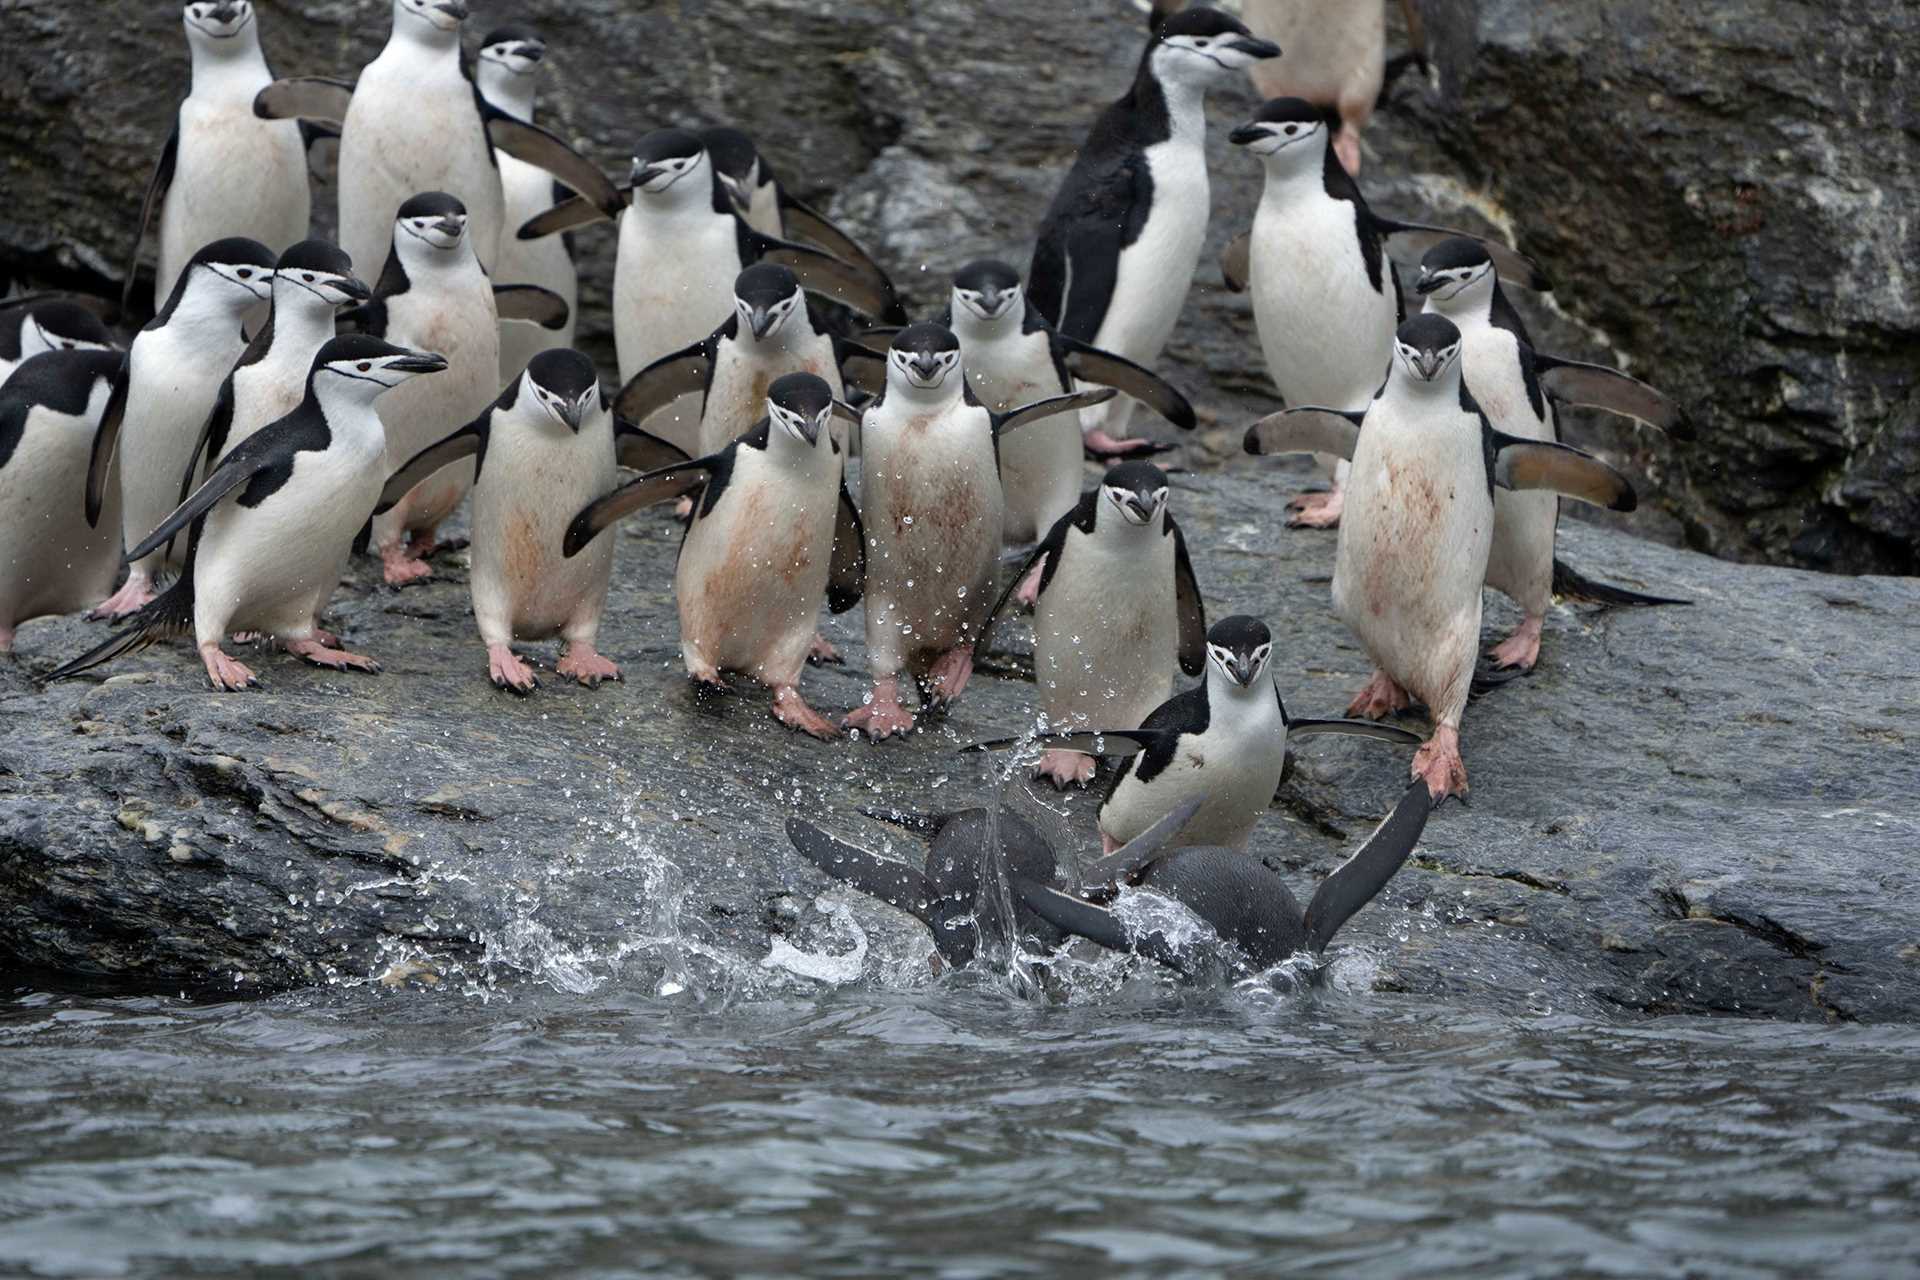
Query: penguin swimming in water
[
  {"x": 774, "y": 534},
  {"x": 1419, "y": 525},
  {"x": 301, "y": 489},
  {"x": 434, "y": 293},
  {"x": 172, "y": 373},
  {"x": 1225, "y": 739},
  {"x": 963, "y": 895},
  {"x": 223, "y": 172},
  {"x": 1244, "y": 900},
  {"x": 1011, "y": 357},
  {"x": 52, "y": 558},
  {"x": 33, "y": 325},
  {"x": 931, "y": 500},
  {"x": 1517, "y": 388},
  {"x": 1326, "y": 297},
  {"x": 415, "y": 122},
  {"x": 772, "y": 331},
  {"x": 541, "y": 450},
  {"x": 1119, "y": 244},
  {"x": 508, "y": 66},
  {"x": 1117, "y": 610}
]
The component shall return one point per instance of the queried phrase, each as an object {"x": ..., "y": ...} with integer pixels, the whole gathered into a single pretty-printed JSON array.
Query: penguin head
[
  {"x": 513, "y": 50},
  {"x": 1426, "y": 347},
  {"x": 1456, "y": 274},
  {"x": 62, "y": 326},
  {"x": 560, "y": 385},
  {"x": 1287, "y": 133},
  {"x": 362, "y": 368},
  {"x": 320, "y": 268},
  {"x": 236, "y": 271},
  {"x": 736, "y": 162},
  {"x": 433, "y": 219},
  {"x": 923, "y": 358},
  {"x": 1137, "y": 490},
  {"x": 799, "y": 404},
  {"x": 987, "y": 289},
  {"x": 1239, "y": 649},
  {"x": 437, "y": 20},
  {"x": 671, "y": 160},
  {"x": 1202, "y": 46},
  {"x": 215, "y": 25},
  {"x": 766, "y": 296}
]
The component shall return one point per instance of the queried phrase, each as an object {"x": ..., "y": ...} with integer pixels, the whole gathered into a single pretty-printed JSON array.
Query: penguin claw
[
  {"x": 1379, "y": 698},
  {"x": 1316, "y": 510},
  {"x": 583, "y": 663},
  {"x": 223, "y": 673},
  {"x": 1066, "y": 769},
  {"x": 882, "y": 717},
  {"x": 1028, "y": 593},
  {"x": 1521, "y": 649},
  {"x": 507, "y": 671},
  {"x": 1102, "y": 447},
  {"x": 947, "y": 678},
  {"x": 790, "y": 709},
  {"x": 822, "y": 653},
  {"x": 334, "y": 659},
  {"x": 1438, "y": 764},
  {"x": 401, "y": 567},
  {"x": 134, "y": 594}
]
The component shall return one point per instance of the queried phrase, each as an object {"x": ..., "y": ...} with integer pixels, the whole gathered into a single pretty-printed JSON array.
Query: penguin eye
[
  {"x": 307, "y": 276},
  {"x": 245, "y": 273},
  {"x": 364, "y": 365}
]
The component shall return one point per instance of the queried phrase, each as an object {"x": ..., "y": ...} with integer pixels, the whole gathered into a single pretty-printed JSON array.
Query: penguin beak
[
  {"x": 1141, "y": 506},
  {"x": 450, "y": 227},
  {"x": 531, "y": 50},
  {"x": 574, "y": 412},
  {"x": 993, "y": 301},
  {"x": 224, "y": 13},
  {"x": 419, "y": 362},
  {"x": 1254, "y": 47},
  {"x": 356, "y": 290},
  {"x": 760, "y": 320},
  {"x": 925, "y": 365},
  {"x": 643, "y": 173},
  {"x": 1428, "y": 363},
  {"x": 454, "y": 9},
  {"x": 1428, "y": 283},
  {"x": 1247, "y": 134},
  {"x": 736, "y": 191},
  {"x": 1243, "y": 669},
  {"x": 810, "y": 428}
]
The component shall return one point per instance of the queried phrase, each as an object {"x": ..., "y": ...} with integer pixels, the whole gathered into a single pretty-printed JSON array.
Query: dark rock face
[
  {"x": 1678, "y": 812},
  {"x": 1722, "y": 192}
]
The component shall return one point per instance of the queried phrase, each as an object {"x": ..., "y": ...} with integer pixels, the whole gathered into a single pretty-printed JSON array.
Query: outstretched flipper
[
  {"x": 1354, "y": 882},
  {"x": 847, "y": 570},
  {"x": 1051, "y": 547},
  {"x": 1094, "y": 742},
  {"x": 1090, "y": 364},
  {"x": 1410, "y": 240},
  {"x": 1132, "y": 857},
  {"x": 1026, "y": 413},
  {"x": 1188, "y": 605},
  {"x": 894, "y": 883},
  {"x": 157, "y": 185},
  {"x": 1082, "y": 919},
  {"x": 639, "y": 450},
  {"x": 544, "y": 149},
  {"x": 543, "y": 307},
  {"x": 1570, "y": 584},
  {"x": 1594, "y": 386},
  {"x": 861, "y": 366},
  {"x": 678, "y": 373},
  {"x": 569, "y": 215},
  {"x": 675, "y": 481},
  {"x": 106, "y": 439},
  {"x": 820, "y": 272},
  {"x": 1236, "y": 262},
  {"x": 319, "y": 98},
  {"x": 468, "y": 441},
  {"x": 1356, "y": 729},
  {"x": 167, "y": 615},
  {"x": 263, "y": 462},
  {"x": 804, "y": 222},
  {"x": 1309, "y": 429},
  {"x": 1558, "y": 468}
]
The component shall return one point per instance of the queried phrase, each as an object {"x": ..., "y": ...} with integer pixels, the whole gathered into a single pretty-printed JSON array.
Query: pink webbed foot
[
  {"x": 822, "y": 653},
  {"x": 947, "y": 678},
  {"x": 1379, "y": 698},
  {"x": 1066, "y": 768},
  {"x": 401, "y": 566},
  {"x": 791, "y": 710},
  {"x": 583, "y": 663},
  {"x": 223, "y": 673},
  {"x": 1438, "y": 764},
  {"x": 1522, "y": 648},
  {"x": 507, "y": 671},
  {"x": 683, "y": 509},
  {"x": 1317, "y": 510},
  {"x": 881, "y": 716},
  {"x": 1102, "y": 445},
  {"x": 1346, "y": 146},
  {"x": 321, "y": 654},
  {"x": 134, "y": 594},
  {"x": 1029, "y": 590},
  {"x": 1107, "y": 844}
]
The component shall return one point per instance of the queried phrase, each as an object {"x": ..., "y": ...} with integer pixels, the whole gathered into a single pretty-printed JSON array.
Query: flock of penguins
[{"x": 241, "y": 473}]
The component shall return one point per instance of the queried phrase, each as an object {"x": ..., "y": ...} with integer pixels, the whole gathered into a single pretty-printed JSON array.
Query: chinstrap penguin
[{"x": 32, "y": 325}]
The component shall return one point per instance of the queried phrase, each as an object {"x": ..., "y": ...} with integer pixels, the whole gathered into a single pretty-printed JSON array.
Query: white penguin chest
[
  {"x": 1155, "y": 271},
  {"x": 1325, "y": 329},
  {"x": 1007, "y": 372},
  {"x": 1490, "y": 361},
  {"x": 931, "y": 502},
  {"x": 673, "y": 282},
  {"x": 737, "y": 392},
  {"x": 1105, "y": 633}
]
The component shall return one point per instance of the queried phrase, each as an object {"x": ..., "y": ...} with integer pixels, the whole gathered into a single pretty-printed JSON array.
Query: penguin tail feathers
[
  {"x": 170, "y": 614},
  {"x": 1569, "y": 583}
]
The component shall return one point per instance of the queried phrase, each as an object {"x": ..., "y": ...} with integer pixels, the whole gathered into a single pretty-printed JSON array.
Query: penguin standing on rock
[
  {"x": 1419, "y": 524},
  {"x": 1517, "y": 388},
  {"x": 52, "y": 558},
  {"x": 172, "y": 378},
  {"x": 1117, "y": 250},
  {"x": 300, "y": 489},
  {"x": 1326, "y": 297},
  {"x": 931, "y": 500},
  {"x": 773, "y": 534},
  {"x": 1224, "y": 740},
  {"x": 542, "y": 450},
  {"x": 1117, "y": 608},
  {"x": 31, "y": 326},
  {"x": 223, "y": 171},
  {"x": 435, "y": 295}
]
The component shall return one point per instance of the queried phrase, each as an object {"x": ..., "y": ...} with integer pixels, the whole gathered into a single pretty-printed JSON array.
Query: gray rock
[{"x": 1686, "y": 809}]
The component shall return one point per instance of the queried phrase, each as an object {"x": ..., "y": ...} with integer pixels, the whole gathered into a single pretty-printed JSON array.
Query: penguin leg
[
  {"x": 1438, "y": 764},
  {"x": 1521, "y": 649},
  {"x": 947, "y": 677},
  {"x": 311, "y": 649},
  {"x": 223, "y": 673},
  {"x": 584, "y": 663},
  {"x": 820, "y": 651},
  {"x": 507, "y": 671},
  {"x": 1066, "y": 768},
  {"x": 1029, "y": 591},
  {"x": 134, "y": 594},
  {"x": 791, "y": 710},
  {"x": 1379, "y": 698},
  {"x": 882, "y": 716}
]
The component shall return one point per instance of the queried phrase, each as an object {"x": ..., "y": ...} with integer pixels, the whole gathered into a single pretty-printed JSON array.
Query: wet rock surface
[
  {"x": 1695, "y": 809},
  {"x": 1722, "y": 192}
]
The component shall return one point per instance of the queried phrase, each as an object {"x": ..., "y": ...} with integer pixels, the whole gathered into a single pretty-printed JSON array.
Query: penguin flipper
[
  {"x": 1053, "y": 546},
  {"x": 573, "y": 212},
  {"x": 543, "y": 307},
  {"x": 1354, "y": 882},
  {"x": 1310, "y": 429},
  {"x": 1595, "y": 386},
  {"x": 1399, "y": 737},
  {"x": 468, "y": 440},
  {"x": 639, "y": 450},
  {"x": 1410, "y": 240},
  {"x": 847, "y": 569},
  {"x": 656, "y": 486},
  {"x": 265, "y": 450},
  {"x": 894, "y": 883},
  {"x": 304, "y": 98},
  {"x": 1090, "y": 364},
  {"x": 1570, "y": 584},
  {"x": 861, "y": 365},
  {"x": 544, "y": 149},
  {"x": 106, "y": 438},
  {"x": 820, "y": 272},
  {"x": 1094, "y": 742},
  {"x": 1559, "y": 468},
  {"x": 157, "y": 185},
  {"x": 805, "y": 223},
  {"x": 1068, "y": 403},
  {"x": 1096, "y": 924},
  {"x": 1132, "y": 857},
  {"x": 1236, "y": 262},
  {"x": 678, "y": 373},
  {"x": 1188, "y": 606},
  {"x": 168, "y": 614}
]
